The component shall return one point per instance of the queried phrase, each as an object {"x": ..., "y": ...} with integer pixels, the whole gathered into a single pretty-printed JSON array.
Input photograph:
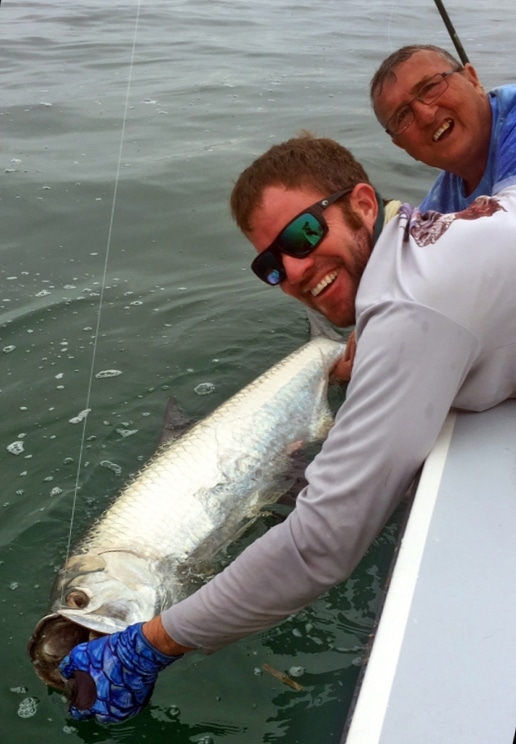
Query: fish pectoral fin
[{"x": 297, "y": 464}]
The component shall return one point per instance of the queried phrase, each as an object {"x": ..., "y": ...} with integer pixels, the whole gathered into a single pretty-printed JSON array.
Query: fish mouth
[{"x": 52, "y": 639}]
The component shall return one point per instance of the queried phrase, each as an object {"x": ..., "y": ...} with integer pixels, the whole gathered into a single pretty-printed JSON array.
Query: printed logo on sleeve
[{"x": 427, "y": 227}]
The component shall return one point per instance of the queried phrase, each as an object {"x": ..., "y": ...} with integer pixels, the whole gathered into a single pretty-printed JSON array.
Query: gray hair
[{"x": 392, "y": 62}]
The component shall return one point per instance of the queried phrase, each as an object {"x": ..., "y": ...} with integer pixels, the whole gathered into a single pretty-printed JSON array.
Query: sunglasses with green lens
[{"x": 298, "y": 238}]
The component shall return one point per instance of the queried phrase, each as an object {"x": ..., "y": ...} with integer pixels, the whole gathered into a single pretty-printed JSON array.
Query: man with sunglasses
[
  {"x": 435, "y": 310},
  {"x": 438, "y": 112}
]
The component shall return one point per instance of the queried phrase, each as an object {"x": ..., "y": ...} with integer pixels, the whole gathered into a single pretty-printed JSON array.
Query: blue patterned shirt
[{"x": 448, "y": 195}]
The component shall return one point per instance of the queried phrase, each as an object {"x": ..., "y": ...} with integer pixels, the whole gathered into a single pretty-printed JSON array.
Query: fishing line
[
  {"x": 462, "y": 54},
  {"x": 104, "y": 275}
]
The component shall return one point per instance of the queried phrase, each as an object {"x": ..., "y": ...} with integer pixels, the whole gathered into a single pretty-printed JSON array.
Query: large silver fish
[{"x": 192, "y": 499}]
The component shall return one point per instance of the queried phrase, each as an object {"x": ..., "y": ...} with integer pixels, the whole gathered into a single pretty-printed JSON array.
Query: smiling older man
[{"x": 438, "y": 112}]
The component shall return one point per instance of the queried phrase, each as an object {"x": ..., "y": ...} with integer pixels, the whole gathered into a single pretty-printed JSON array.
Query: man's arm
[
  {"x": 156, "y": 634},
  {"x": 409, "y": 365}
]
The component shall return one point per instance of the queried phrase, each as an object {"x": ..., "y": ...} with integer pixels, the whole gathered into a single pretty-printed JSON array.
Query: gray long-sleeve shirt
[{"x": 436, "y": 328}]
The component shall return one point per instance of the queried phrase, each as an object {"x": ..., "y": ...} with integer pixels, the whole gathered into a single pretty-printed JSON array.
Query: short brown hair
[
  {"x": 304, "y": 161},
  {"x": 389, "y": 65}
]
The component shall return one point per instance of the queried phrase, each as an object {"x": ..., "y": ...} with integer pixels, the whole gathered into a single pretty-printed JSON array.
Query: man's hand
[
  {"x": 341, "y": 372},
  {"x": 113, "y": 677}
]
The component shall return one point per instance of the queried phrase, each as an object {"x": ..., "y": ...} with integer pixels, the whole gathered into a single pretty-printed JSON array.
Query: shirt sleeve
[
  {"x": 505, "y": 170},
  {"x": 409, "y": 365},
  {"x": 447, "y": 193}
]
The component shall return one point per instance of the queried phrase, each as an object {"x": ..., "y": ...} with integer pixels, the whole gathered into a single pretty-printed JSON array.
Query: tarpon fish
[{"x": 191, "y": 500}]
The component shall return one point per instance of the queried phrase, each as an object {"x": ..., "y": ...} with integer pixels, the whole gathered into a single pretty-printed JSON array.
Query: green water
[{"x": 123, "y": 127}]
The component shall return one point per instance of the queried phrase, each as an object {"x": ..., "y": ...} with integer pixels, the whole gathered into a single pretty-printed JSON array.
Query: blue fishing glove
[{"x": 113, "y": 677}]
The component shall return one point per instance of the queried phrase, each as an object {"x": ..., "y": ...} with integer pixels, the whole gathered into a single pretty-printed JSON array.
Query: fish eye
[{"x": 77, "y": 599}]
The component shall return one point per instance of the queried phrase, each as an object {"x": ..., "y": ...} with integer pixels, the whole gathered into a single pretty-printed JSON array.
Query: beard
[
  {"x": 338, "y": 306},
  {"x": 344, "y": 316},
  {"x": 362, "y": 248}
]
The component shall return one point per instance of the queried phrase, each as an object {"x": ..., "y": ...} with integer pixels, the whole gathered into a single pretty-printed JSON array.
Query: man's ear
[
  {"x": 470, "y": 73},
  {"x": 363, "y": 201}
]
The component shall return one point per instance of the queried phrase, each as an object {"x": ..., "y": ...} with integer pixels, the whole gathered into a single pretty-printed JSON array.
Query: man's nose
[
  {"x": 424, "y": 112},
  {"x": 296, "y": 268}
]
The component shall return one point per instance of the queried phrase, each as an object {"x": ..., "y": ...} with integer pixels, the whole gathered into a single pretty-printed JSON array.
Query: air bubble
[
  {"x": 204, "y": 388},
  {"x": 108, "y": 373},
  {"x": 80, "y": 416},
  {"x": 111, "y": 466},
  {"x": 126, "y": 432},
  {"x": 296, "y": 671},
  {"x": 28, "y": 707},
  {"x": 15, "y": 448}
]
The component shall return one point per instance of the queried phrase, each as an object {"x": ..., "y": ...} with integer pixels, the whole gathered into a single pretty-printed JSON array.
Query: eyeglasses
[
  {"x": 299, "y": 238},
  {"x": 427, "y": 94}
]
